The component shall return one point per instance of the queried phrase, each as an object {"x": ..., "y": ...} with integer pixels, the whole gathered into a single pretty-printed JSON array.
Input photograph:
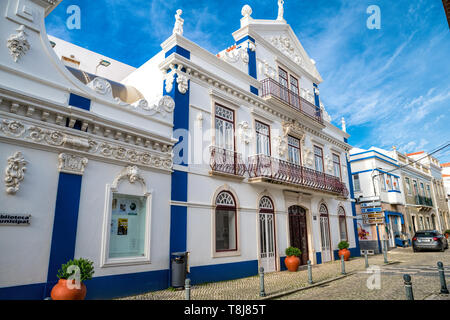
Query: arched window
[
  {"x": 342, "y": 224},
  {"x": 226, "y": 224},
  {"x": 266, "y": 204},
  {"x": 323, "y": 210}
]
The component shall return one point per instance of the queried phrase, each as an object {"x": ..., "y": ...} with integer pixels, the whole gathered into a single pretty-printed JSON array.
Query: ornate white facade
[{"x": 98, "y": 140}]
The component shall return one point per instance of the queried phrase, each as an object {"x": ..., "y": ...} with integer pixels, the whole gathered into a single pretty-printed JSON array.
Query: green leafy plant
[
  {"x": 292, "y": 251},
  {"x": 86, "y": 269},
  {"x": 447, "y": 231},
  {"x": 343, "y": 245}
]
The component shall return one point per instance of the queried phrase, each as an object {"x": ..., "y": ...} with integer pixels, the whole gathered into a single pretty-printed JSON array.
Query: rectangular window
[
  {"x": 337, "y": 166},
  {"x": 343, "y": 228},
  {"x": 422, "y": 189},
  {"x": 224, "y": 125},
  {"x": 356, "y": 183},
  {"x": 416, "y": 191},
  {"x": 294, "y": 85},
  {"x": 128, "y": 221},
  {"x": 262, "y": 138},
  {"x": 428, "y": 191},
  {"x": 318, "y": 158},
  {"x": 294, "y": 150},
  {"x": 225, "y": 229},
  {"x": 408, "y": 185},
  {"x": 283, "y": 77}
]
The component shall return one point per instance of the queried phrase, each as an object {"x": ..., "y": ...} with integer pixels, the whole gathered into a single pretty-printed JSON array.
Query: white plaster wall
[
  {"x": 25, "y": 250},
  {"x": 91, "y": 214}
]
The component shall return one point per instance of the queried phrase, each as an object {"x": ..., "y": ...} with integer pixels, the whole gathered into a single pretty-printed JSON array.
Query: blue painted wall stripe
[
  {"x": 355, "y": 223},
  {"x": 254, "y": 90},
  {"x": 374, "y": 151},
  {"x": 64, "y": 225},
  {"x": 79, "y": 102},
  {"x": 223, "y": 272},
  {"x": 245, "y": 39},
  {"x": 179, "y": 50}
]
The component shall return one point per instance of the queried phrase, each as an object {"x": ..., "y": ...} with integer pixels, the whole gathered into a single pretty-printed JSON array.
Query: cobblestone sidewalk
[{"x": 275, "y": 283}]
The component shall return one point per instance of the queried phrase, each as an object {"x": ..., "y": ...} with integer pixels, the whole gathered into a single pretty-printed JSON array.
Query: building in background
[
  {"x": 381, "y": 218},
  {"x": 230, "y": 157},
  {"x": 438, "y": 194},
  {"x": 446, "y": 4},
  {"x": 446, "y": 178}
]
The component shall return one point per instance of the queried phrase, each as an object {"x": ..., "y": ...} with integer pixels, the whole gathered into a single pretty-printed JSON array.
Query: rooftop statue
[
  {"x": 280, "y": 10},
  {"x": 178, "y": 28}
]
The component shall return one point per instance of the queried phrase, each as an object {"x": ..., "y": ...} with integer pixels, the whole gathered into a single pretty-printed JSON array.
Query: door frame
[
  {"x": 267, "y": 211},
  {"x": 329, "y": 232},
  {"x": 307, "y": 225}
]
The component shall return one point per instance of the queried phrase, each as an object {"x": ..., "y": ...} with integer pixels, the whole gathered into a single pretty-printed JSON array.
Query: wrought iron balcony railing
[
  {"x": 263, "y": 166},
  {"x": 272, "y": 88},
  {"x": 227, "y": 161},
  {"x": 425, "y": 201}
]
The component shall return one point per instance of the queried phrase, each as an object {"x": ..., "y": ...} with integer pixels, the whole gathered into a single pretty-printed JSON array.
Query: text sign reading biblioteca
[{"x": 15, "y": 219}]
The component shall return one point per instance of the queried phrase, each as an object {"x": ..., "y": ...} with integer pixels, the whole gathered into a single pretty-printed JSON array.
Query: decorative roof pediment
[{"x": 281, "y": 36}]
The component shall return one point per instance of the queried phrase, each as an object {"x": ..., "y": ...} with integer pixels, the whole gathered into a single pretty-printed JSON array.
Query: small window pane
[{"x": 225, "y": 229}]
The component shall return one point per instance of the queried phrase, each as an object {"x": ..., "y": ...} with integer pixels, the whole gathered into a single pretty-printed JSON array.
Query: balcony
[
  {"x": 272, "y": 89},
  {"x": 423, "y": 201},
  {"x": 280, "y": 171},
  {"x": 227, "y": 162}
]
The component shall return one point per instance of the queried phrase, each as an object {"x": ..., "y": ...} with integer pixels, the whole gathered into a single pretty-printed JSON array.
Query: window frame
[
  {"x": 226, "y": 253},
  {"x": 354, "y": 184},
  {"x": 226, "y": 120},
  {"x": 321, "y": 157},
  {"x": 344, "y": 218},
  {"x": 338, "y": 163},
  {"x": 299, "y": 149},
  {"x": 268, "y": 136}
]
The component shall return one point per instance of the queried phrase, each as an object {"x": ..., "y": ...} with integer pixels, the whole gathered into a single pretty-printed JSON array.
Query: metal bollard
[
  {"x": 342, "y": 264},
  {"x": 444, "y": 289},
  {"x": 187, "y": 289},
  {"x": 310, "y": 280},
  {"x": 262, "y": 292},
  {"x": 408, "y": 287},
  {"x": 385, "y": 253},
  {"x": 366, "y": 257}
]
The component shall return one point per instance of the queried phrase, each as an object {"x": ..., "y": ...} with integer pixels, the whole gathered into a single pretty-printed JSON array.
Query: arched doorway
[
  {"x": 298, "y": 231},
  {"x": 267, "y": 245},
  {"x": 325, "y": 233}
]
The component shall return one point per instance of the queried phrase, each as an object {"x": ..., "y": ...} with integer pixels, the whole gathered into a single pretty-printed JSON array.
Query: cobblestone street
[{"x": 421, "y": 267}]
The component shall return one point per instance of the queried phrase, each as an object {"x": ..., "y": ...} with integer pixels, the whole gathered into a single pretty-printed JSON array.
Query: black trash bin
[{"x": 179, "y": 269}]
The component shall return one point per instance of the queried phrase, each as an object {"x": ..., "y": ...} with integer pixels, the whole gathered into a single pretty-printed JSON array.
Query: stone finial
[
  {"x": 178, "y": 28},
  {"x": 344, "y": 127},
  {"x": 246, "y": 11},
  {"x": 280, "y": 10}
]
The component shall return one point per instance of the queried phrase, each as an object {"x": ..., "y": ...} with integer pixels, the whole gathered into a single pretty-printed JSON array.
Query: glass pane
[
  {"x": 128, "y": 219},
  {"x": 225, "y": 230}
]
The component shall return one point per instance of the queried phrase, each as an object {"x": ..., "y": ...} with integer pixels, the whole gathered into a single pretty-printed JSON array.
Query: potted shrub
[
  {"x": 447, "y": 232},
  {"x": 292, "y": 260},
  {"x": 343, "y": 250},
  {"x": 67, "y": 287}
]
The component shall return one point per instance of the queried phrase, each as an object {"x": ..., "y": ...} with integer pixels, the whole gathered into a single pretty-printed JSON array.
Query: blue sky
[{"x": 392, "y": 85}]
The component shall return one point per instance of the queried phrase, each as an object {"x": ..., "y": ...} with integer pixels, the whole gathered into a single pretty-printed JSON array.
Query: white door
[
  {"x": 267, "y": 242},
  {"x": 325, "y": 237}
]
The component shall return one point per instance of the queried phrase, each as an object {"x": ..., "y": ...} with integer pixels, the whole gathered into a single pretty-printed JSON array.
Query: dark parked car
[{"x": 429, "y": 240}]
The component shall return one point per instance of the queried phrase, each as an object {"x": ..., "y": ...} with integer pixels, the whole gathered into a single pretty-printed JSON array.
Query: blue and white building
[{"x": 230, "y": 157}]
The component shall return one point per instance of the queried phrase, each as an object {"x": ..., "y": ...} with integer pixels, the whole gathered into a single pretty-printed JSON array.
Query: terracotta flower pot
[
  {"x": 446, "y": 235},
  {"x": 346, "y": 254},
  {"x": 61, "y": 291},
  {"x": 292, "y": 263}
]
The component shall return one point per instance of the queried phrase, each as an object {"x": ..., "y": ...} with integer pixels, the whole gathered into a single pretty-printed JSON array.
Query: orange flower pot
[
  {"x": 346, "y": 254},
  {"x": 62, "y": 292},
  {"x": 446, "y": 235},
  {"x": 292, "y": 263}
]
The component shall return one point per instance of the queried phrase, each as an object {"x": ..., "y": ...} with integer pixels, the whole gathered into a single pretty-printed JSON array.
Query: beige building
[{"x": 426, "y": 206}]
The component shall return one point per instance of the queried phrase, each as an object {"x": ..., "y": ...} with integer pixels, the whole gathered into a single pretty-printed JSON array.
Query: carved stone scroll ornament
[
  {"x": 14, "y": 172},
  {"x": 245, "y": 132},
  {"x": 18, "y": 43},
  {"x": 130, "y": 173},
  {"x": 72, "y": 164},
  {"x": 163, "y": 105}
]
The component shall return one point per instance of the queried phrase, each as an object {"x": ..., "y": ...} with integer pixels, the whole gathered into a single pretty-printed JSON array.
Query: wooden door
[{"x": 298, "y": 231}]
